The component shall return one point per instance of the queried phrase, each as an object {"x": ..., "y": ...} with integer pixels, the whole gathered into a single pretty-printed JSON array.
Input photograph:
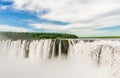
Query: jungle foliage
[{"x": 32, "y": 35}]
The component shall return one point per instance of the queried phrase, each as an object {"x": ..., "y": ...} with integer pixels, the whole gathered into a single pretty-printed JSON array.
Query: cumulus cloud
[
  {"x": 69, "y": 10},
  {"x": 13, "y": 29},
  {"x": 83, "y": 28},
  {"x": 74, "y": 29},
  {"x": 83, "y": 15}
]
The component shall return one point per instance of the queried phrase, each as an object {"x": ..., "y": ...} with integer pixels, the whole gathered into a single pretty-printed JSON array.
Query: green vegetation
[{"x": 31, "y": 35}]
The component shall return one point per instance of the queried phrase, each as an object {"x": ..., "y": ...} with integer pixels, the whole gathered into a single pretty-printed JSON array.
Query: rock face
[{"x": 102, "y": 52}]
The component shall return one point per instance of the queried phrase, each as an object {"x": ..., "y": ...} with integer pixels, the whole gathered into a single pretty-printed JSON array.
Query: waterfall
[
  {"x": 60, "y": 48},
  {"x": 101, "y": 52},
  {"x": 42, "y": 49}
]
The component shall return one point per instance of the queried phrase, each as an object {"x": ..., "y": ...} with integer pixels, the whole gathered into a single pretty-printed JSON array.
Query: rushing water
[{"x": 71, "y": 58}]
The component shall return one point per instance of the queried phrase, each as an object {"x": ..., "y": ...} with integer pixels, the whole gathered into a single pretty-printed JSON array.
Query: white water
[{"x": 97, "y": 59}]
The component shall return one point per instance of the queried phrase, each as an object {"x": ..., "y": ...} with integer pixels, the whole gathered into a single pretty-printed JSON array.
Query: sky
[{"x": 80, "y": 17}]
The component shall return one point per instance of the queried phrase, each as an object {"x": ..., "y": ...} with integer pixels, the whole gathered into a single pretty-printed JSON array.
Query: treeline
[{"x": 31, "y": 35}]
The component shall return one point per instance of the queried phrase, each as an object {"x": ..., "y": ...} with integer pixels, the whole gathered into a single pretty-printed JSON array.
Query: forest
[{"x": 34, "y": 35}]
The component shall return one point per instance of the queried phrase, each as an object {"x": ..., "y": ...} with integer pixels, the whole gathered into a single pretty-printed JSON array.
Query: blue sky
[{"x": 89, "y": 18}]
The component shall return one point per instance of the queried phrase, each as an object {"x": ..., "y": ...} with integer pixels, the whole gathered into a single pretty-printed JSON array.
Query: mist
[
  {"x": 76, "y": 67},
  {"x": 3, "y": 37},
  {"x": 13, "y": 64}
]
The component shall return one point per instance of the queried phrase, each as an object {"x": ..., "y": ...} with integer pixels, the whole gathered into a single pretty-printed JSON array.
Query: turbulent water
[{"x": 101, "y": 53}]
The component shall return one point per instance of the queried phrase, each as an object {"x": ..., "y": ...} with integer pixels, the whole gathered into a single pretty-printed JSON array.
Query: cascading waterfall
[
  {"x": 102, "y": 52},
  {"x": 43, "y": 49}
]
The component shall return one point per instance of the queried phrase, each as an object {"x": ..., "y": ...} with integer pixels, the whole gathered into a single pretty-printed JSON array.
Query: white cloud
[
  {"x": 84, "y": 15},
  {"x": 72, "y": 29},
  {"x": 13, "y": 29},
  {"x": 69, "y": 10},
  {"x": 83, "y": 29},
  {"x": 3, "y": 7}
]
